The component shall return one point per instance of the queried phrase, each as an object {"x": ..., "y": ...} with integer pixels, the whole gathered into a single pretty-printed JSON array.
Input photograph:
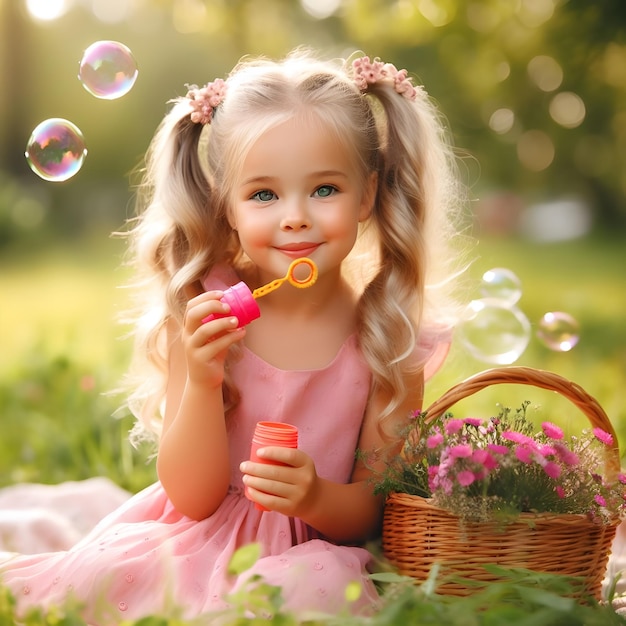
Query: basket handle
[{"x": 520, "y": 375}]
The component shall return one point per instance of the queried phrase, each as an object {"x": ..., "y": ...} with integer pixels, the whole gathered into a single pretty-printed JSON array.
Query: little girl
[{"x": 299, "y": 158}]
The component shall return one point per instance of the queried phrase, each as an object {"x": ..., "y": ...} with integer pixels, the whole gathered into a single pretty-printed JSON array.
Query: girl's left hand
[{"x": 290, "y": 488}]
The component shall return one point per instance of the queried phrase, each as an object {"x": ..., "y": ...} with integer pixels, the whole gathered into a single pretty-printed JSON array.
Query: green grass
[
  {"x": 519, "y": 598},
  {"x": 582, "y": 278},
  {"x": 63, "y": 301},
  {"x": 61, "y": 351},
  {"x": 62, "y": 356}
]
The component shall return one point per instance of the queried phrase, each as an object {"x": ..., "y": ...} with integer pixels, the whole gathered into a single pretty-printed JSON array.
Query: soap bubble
[
  {"x": 501, "y": 284},
  {"x": 56, "y": 150},
  {"x": 108, "y": 70},
  {"x": 558, "y": 331},
  {"x": 494, "y": 331}
]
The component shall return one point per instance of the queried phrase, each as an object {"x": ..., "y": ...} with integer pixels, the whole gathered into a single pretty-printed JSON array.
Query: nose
[{"x": 296, "y": 216}]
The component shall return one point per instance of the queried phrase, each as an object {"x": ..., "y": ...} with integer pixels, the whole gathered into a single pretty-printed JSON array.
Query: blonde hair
[{"x": 182, "y": 230}]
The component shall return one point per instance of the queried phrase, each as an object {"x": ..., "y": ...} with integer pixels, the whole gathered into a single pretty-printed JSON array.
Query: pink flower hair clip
[
  {"x": 368, "y": 72},
  {"x": 205, "y": 99}
]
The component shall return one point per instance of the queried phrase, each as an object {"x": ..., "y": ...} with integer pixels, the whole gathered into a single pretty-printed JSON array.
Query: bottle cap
[
  {"x": 275, "y": 434},
  {"x": 242, "y": 305},
  {"x": 271, "y": 434}
]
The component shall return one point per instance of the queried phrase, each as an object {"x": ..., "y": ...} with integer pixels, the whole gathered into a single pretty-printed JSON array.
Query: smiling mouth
[{"x": 298, "y": 250}]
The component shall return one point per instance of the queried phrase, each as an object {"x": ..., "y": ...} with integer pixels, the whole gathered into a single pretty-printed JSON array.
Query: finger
[
  {"x": 198, "y": 310},
  {"x": 206, "y": 296},
  {"x": 205, "y": 305},
  {"x": 210, "y": 345},
  {"x": 280, "y": 454},
  {"x": 273, "y": 488},
  {"x": 214, "y": 330},
  {"x": 268, "y": 501}
]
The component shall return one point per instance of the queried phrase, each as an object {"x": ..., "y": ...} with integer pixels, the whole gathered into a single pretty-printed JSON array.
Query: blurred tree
[
  {"x": 534, "y": 90},
  {"x": 17, "y": 64}
]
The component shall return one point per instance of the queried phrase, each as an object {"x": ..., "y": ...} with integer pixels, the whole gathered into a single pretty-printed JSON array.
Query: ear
[{"x": 369, "y": 196}]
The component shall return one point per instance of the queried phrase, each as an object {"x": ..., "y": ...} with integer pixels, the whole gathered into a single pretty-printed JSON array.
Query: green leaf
[
  {"x": 546, "y": 598},
  {"x": 390, "y": 577},
  {"x": 244, "y": 558}
]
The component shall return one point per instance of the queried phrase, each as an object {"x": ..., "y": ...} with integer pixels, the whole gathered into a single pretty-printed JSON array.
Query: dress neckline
[{"x": 349, "y": 341}]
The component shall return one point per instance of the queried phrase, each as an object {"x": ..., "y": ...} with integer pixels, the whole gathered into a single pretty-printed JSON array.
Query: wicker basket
[{"x": 416, "y": 534}]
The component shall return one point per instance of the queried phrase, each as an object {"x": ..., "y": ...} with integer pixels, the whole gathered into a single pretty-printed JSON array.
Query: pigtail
[
  {"x": 194, "y": 161},
  {"x": 183, "y": 229},
  {"x": 179, "y": 235},
  {"x": 411, "y": 214}
]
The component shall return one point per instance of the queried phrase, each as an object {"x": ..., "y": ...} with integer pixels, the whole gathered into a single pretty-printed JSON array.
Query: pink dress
[{"x": 146, "y": 558}]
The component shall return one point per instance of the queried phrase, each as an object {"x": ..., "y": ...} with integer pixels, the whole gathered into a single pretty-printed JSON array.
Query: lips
[{"x": 297, "y": 250}]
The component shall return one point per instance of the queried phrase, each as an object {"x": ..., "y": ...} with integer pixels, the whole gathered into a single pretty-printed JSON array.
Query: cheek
[
  {"x": 254, "y": 232},
  {"x": 346, "y": 225}
]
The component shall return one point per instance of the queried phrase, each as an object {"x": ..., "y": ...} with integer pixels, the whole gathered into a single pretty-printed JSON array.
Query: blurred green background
[{"x": 534, "y": 92}]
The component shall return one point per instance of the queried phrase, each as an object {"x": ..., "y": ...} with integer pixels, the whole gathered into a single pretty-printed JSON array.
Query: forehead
[{"x": 301, "y": 143}]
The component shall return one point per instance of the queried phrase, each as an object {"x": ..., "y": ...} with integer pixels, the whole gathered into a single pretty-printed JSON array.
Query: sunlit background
[
  {"x": 534, "y": 94},
  {"x": 533, "y": 90}
]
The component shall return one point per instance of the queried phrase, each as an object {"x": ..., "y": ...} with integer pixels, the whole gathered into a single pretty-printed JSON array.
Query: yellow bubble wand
[
  {"x": 242, "y": 301},
  {"x": 291, "y": 278}
]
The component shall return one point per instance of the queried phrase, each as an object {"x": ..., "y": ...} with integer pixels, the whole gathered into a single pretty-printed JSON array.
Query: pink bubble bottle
[
  {"x": 272, "y": 434},
  {"x": 242, "y": 305},
  {"x": 242, "y": 301}
]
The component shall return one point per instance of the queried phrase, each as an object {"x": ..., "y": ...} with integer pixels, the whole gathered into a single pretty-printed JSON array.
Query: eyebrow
[{"x": 269, "y": 179}]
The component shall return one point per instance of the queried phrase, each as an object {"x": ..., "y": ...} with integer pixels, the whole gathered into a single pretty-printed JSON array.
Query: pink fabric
[{"x": 146, "y": 558}]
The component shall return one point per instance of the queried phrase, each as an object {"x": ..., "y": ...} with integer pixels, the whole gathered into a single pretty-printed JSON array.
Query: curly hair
[{"x": 404, "y": 265}]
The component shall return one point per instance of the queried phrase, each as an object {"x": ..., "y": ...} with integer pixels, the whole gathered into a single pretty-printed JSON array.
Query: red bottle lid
[
  {"x": 275, "y": 434},
  {"x": 271, "y": 434}
]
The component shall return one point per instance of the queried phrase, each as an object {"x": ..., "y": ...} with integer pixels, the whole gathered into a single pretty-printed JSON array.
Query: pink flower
[
  {"x": 441, "y": 482},
  {"x": 545, "y": 450},
  {"x": 516, "y": 437},
  {"x": 434, "y": 440},
  {"x": 552, "y": 430},
  {"x": 204, "y": 100},
  {"x": 622, "y": 478},
  {"x": 524, "y": 454},
  {"x": 473, "y": 421},
  {"x": 368, "y": 72},
  {"x": 603, "y": 436},
  {"x": 479, "y": 455},
  {"x": 465, "y": 478},
  {"x": 599, "y": 500},
  {"x": 432, "y": 476},
  {"x": 560, "y": 491},
  {"x": 485, "y": 459},
  {"x": 461, "y": 451},
  {"x": 552, "y": 469},
  {"x": 566, "y": 455},
  {"x": 498, "y": 449},
  {"x": 453, "y": 426}
]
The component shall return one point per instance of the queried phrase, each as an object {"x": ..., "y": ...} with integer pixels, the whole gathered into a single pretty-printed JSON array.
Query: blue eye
[
  {"x": 325, "y": 191},
  {"x": 264, "y": 195}
]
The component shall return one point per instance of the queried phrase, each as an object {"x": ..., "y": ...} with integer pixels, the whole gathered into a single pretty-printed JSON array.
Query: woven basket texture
[{"x": 417, "y": 534}]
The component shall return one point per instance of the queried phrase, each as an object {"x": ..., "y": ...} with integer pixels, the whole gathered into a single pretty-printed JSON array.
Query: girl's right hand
[{"x": 206, "y": 344}]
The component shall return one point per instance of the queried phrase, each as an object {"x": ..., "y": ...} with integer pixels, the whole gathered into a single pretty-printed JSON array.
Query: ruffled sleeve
[
  {"x": 221, "y": 277},
  {"x": 433, "y": 347}
]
